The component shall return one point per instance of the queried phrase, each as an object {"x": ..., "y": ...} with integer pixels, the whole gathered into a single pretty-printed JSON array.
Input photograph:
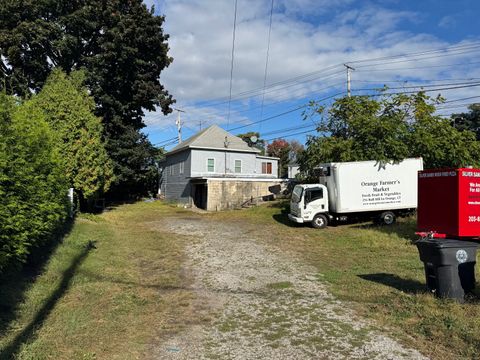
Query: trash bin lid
[{"x": 448, "y": 243}]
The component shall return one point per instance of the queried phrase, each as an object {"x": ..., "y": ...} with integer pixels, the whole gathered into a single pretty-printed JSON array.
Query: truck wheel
[
  {"x": 319, "y": 221},
  {"x": 387, "y": 218}
]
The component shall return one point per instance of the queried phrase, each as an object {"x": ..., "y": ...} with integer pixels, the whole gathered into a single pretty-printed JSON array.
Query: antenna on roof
[{"x": 178, "y": 122}]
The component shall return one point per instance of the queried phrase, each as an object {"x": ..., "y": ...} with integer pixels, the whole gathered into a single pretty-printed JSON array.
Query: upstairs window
[
  {"x": 238, "y": 166},
  {"x": 266, "y": 167},
  {"x": 181, "y": 167},
  {"x": 211, "y": 165}
]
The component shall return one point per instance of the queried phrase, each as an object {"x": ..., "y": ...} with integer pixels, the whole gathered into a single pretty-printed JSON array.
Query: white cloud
[
  {"x": 307, "y": 36},
  {"x": 447, "y": 22}
]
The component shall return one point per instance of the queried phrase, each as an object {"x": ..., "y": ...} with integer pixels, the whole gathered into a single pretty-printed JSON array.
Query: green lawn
[
  {"x": 378, "y": 270},
  {"x": 114, "y": 287},
  {"x": 109, "y": 291}
]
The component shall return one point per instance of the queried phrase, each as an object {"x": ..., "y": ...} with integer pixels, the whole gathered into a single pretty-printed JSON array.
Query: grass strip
[{"x": 111, "y": 290}]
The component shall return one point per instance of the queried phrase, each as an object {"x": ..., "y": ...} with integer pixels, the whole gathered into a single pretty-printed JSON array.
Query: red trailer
[{"x": 449, "y": 202}]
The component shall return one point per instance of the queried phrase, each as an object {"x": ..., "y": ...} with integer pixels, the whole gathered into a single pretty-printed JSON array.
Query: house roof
[{"x": 213, "y": 138}]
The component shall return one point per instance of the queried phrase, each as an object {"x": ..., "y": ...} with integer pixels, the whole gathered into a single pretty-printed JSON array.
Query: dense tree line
[
  {"x": 33, "y": 188},
  {"x": 122, "y": 49},
  {"x": 76, "y": 78},
  {"x": 389, "y": 128},
  {"x": 48, "y": 144}
]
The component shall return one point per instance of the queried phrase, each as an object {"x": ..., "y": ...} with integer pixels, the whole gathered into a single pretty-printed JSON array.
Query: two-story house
[{"x": 216, "y": 170}]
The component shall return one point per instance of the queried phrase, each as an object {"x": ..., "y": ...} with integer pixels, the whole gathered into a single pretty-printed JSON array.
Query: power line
[
  {"x": 295, "y": 79},
  {"x": 289, "y": 135},
  {"x": 310, "y": 76},
  {"x": 266, "y": 65},
  {"x": 461, "y": 99},
  {"x": 426, "y": 52},
  {"x": 285, "y": 112},
  {"x": 167, "y": 140},
  {"x": 233, "y": 57},
  {"x": 421, "y": 58},
  {"x": 412, "y": 80},
  {"x": 221, "y": 100},
  {"x": 288, "y": 129},
  {"x": 419, "y": 67},
  {"x": 421, "y": 86},
  {"x": 248, "y": 94}
]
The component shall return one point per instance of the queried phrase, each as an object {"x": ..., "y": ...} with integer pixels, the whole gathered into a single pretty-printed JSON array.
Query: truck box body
[
  {"x": 364, "y": 186},
  {"x": 449, "y": 202}
]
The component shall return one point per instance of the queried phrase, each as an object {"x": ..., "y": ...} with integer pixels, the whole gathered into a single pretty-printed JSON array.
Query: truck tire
[
  {"x": 319, "y": 221},
  {"x": 387, "y": 218}
]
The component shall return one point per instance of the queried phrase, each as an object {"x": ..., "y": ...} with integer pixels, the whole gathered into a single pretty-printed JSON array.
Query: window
[
  {"x": 238, "y": 166},
  {"x": 297, "y": 193},
  {"x": 314, "y": 194},
  {"x": 211, "y": 165},
  {"x": 266, "y": 167},
  {"x": 181, "y": 167}
]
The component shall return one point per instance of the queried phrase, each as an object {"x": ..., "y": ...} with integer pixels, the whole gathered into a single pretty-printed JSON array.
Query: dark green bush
[{"x": 33, "y": 187}]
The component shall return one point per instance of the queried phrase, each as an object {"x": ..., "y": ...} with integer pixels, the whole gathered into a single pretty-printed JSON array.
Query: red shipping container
[{"x": 449, "y": 202}]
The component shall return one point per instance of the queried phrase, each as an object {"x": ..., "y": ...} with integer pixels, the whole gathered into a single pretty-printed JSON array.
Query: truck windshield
[{"x": 297, "y": 194}]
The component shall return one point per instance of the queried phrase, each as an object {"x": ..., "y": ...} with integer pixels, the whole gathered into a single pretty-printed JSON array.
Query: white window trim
[
  {"x": 235, "y": 166},
  {"x": 266, "y": 167},
  {"x": 213, "y": 165},
  {"x": 181, "y": 167}
]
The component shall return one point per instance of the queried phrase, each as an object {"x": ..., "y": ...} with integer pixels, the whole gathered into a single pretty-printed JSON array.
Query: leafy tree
[
  {"x": 295, "y": 151},
  {"x": 280, "y": 148},
  {"x": 259, "y": 143},
  {"x": 468, "y": 121},
  {"x": 69, "y": 110},
  {"x": 387, "y": 129},
  {"x": 121, "y": 46},
  {"x": 33, "y": 190}
]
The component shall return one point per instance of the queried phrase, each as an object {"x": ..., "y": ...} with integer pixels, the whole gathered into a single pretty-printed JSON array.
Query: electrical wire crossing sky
[{"x": 251, "y": 66}]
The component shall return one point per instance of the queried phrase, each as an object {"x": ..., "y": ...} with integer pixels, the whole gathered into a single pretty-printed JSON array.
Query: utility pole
[
  {"x": 200, "y": 123},
  {"x": 349, "y": 69},
  {"x": 178, "y": 122}
]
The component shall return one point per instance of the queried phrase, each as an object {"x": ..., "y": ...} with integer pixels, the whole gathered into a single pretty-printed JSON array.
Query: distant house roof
[{"x": 213, "y": 138}]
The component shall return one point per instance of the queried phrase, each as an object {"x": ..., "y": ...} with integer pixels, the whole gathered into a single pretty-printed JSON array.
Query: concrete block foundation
[{"x": 228, "y": 194}]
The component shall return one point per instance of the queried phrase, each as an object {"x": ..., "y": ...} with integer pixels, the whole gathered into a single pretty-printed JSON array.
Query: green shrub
[{"x": 33, "y": 188}]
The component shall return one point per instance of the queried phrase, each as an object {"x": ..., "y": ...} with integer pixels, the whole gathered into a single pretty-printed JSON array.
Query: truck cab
[{"x": 309, "y": 203}]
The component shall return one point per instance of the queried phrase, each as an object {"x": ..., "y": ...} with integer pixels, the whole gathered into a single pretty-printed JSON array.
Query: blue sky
[{"x": 310, "y": 40}]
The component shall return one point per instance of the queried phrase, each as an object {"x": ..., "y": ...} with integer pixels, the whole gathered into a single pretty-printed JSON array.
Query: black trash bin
[{"x": 449, "y": 266}]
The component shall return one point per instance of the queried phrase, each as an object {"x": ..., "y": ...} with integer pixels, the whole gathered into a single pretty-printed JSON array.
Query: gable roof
[{"x": 213, "y": 138}]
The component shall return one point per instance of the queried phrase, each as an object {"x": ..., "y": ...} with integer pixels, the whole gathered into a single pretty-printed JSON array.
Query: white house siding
[
  {"x": 199, "y": 163},
  {"x": 262, "y": 159},
  {"x": 173, "y": 184},
  {"x": 293, "y": 170}
]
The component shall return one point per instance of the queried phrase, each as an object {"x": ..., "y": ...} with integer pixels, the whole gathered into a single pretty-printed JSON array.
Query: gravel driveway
[{"x": 264, "y": 304}]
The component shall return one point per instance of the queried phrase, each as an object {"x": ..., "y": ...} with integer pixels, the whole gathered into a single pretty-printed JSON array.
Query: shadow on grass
[
  {"x": 282, "y": 218},
  {"x": 28, "y": 333},
  {"x": 392, "y": 280},
  {"x": 404, "y": 229},
  {"x": 18, "y": 278}
]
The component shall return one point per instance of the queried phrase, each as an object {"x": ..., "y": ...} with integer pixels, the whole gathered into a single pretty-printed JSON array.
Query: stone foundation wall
[{"x": 231, "y": 194}]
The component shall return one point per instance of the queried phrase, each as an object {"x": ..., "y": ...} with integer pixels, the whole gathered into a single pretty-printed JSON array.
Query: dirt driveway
[{"x": 264, "y": 304}]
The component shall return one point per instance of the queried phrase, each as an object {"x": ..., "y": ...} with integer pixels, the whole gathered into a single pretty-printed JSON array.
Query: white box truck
[{"x": 360, "y": 189}]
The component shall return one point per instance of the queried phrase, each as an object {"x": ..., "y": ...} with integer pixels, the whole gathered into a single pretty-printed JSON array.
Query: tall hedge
[
  {"x": 68, "y": 109},
  {"x": 33, "y": 187}
]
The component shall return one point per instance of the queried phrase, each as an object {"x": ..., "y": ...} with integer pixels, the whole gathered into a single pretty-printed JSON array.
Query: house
[
  {"x": 293, "y": 170},
  {"x": 216, "y": 170}
]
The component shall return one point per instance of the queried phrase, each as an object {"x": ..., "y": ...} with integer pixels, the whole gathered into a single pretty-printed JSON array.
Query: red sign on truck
[{"x": 449, "y": 202}]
